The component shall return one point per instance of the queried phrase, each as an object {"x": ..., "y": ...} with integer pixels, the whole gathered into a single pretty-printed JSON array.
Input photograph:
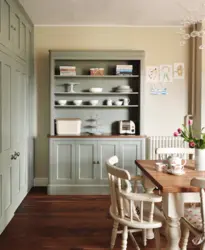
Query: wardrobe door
[
  {"x": 6, "y": 166},
  {"x": 19, "y": 134}
]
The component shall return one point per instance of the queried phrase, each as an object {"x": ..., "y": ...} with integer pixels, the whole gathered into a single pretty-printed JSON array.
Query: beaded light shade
[{"x": 192, "y": 25}]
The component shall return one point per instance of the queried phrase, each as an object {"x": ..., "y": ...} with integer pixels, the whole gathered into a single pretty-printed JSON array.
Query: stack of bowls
[{"x": 124, "y": 89}]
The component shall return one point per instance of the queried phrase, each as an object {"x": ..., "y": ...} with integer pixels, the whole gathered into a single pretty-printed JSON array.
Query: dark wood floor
[{"x": 61, "y": 223}]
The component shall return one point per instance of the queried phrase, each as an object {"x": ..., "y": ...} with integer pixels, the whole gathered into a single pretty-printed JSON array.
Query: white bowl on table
[
  {"x": 94, "y": 102},
  {"x": 77, "y": 102},
  {"x": 62, "y": 102},
  {"x": 96, "y": 90}
]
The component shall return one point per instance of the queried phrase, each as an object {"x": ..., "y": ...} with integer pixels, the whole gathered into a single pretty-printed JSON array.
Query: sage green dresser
[{"x": 77, "y": 163}]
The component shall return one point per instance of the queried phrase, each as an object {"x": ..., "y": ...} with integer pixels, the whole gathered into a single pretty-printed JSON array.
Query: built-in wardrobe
[{"x": 17, "y": 97}]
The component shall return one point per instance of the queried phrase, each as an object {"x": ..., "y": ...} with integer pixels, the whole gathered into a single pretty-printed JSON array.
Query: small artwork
[
  {"x": 158, "y": 91},
  {"x": 179, "y": 71},
  {"x": 165, "y": 74},
  {"x": 152, "y": 74}
]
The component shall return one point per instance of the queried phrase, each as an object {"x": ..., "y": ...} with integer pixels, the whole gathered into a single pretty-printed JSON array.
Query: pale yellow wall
[{"x": 162, "y": 114}]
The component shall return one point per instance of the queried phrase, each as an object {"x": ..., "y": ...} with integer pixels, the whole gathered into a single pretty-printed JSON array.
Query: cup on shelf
[
  {"x": 77, "y": 102},
  {"x": 62, "y": 102},
  {"x": 118, "y": 103},
  {"x": 109, "y": 102},
  {"x": 94, "y": 102}
]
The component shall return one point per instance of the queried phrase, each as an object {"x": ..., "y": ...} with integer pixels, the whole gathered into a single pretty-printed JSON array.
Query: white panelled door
[
  {"x": 13, "y": 137},
  {"x": 19, "y": 136},
  {"x": 6, "y": 200}
]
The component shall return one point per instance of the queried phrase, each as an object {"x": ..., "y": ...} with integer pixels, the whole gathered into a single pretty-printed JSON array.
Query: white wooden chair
[
  {"x": 194, "y": 218},
  {"x": 163, "y": 153},
  {"x": 123, "y": 207}
]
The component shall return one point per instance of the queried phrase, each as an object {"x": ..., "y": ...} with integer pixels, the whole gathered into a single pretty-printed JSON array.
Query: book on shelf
[
  {"x": 124, "y": 69},
  {"x": 67, "y": 70}
]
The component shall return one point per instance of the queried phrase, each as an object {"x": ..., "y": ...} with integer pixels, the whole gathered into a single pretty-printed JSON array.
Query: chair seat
[
  {"x": 193, "y": 217},
  {"x": 157, "y": 222}
]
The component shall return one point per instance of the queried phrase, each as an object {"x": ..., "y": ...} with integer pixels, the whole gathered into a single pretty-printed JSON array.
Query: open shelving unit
[{"x": 83, "y": 61}]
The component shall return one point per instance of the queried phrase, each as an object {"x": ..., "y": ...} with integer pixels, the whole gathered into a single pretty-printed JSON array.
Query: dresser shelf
[
  {"x": 102, "y": 93},
  {"x": 95, "y": 76},
  {"x": 97, "y": 106}
]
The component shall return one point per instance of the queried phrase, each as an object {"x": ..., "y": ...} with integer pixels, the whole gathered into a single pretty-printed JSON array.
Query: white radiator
[{"x": 155, "y": 142}]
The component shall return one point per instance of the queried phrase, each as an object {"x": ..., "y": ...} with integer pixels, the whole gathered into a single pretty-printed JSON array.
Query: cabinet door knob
[
  {"x": 94, "y": 162},
  {"x": 98, "y": 162},
  {"x": 13, "y": 157},
  {"x": 17, "y": 154}
]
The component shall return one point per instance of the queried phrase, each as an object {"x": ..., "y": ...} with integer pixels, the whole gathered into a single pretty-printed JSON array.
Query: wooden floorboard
[{"x": 63, "y": 222}]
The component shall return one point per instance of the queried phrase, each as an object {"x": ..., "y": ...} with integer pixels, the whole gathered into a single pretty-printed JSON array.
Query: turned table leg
[{"x": 174, "y": 233}]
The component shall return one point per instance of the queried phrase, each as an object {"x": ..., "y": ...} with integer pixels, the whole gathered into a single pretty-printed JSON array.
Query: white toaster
[
  {"x": 68, "y": 126},
  {"x": 126, "y": 127}
]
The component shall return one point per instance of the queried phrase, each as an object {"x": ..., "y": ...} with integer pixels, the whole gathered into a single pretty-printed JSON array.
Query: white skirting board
[{"x": 40, "y": 182}]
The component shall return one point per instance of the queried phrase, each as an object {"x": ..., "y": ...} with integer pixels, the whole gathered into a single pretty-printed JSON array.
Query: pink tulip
[
  {"x": 190, "y": 122},
  {"x": 192, "y": 144},
  {"x": 176, "y": 134},
  {"x": 179, "y": 130}
]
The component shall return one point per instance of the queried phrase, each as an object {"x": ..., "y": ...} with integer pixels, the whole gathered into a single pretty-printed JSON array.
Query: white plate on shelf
[{"x": 170, "y": 171}]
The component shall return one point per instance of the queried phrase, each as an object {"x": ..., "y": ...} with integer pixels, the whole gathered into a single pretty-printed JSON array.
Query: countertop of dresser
[{"x": 97, "y": 136}]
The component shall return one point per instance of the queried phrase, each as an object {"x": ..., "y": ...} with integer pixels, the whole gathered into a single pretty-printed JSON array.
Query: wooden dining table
[{"x": 175, "y": 190}]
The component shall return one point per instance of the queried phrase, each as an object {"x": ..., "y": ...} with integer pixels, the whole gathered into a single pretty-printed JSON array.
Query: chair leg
[
  {"x": 144, "y": 234},
  {"x": 124, "y": 238},
  {"x": 134, "y": 241},
  {"x": 157, "y": 238},
  {"x": 185, "y": 237},
  {"x": 114, "y": 234}
]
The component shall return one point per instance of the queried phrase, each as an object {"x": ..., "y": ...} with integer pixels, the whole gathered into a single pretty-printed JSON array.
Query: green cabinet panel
[
  {"x": 129, "y": 152},
  {"x": 15, "y": 32},
  {"x": 62, "y": 162},
  {"x": 23, "y": 40},
  {"x": 6, "y": 23},
  {"x": 86, "y": 162},
  {"x": 106, "y": 149},
  {"x": 13, "y": 28}
]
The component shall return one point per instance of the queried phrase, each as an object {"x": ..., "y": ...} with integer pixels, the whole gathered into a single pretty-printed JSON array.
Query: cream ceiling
[{"x": 109, "y": 12}]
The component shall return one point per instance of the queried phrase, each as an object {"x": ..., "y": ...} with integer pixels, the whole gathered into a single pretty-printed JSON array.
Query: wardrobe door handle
[
  {"x": 13, "y": 157},
  {"x": 17, "y": 154}
]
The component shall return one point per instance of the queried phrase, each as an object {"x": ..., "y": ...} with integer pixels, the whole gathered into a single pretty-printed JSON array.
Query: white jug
[{"x": 126, "y": 101}]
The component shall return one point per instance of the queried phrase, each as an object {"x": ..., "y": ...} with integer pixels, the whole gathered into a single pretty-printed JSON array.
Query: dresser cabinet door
[
  {"x": 86, "y": 162},
  {"x": 106, "y": 149},
  {"x": 129, "y": 152},
  {"x": 62, "y": 162}
]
